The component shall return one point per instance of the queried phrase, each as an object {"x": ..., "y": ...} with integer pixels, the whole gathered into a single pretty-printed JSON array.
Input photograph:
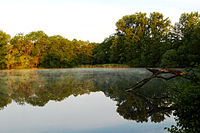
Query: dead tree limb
[{"x": 156, "y": 74}]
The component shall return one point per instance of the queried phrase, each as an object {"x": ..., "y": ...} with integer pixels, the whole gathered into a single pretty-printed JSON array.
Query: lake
[{"x": 82, "y": 100}]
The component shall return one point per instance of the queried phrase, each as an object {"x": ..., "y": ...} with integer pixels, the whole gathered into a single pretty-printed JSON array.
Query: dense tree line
[
  {"x": 139, "y": 41},
  {"x": 36, "y": 49},
  {"x": 142, "y": 41}
]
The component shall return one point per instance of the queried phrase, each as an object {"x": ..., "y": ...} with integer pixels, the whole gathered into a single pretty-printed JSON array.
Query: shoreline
[{"x": 81, "y": 66}]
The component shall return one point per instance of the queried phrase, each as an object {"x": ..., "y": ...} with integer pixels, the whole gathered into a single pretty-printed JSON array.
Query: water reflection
[
  {"x": 141, "y": 108},
  {"x": 38, "y": 87}
]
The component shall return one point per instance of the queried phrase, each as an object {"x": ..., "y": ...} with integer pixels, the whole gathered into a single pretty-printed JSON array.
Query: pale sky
[{"x": 91, "y": 20}]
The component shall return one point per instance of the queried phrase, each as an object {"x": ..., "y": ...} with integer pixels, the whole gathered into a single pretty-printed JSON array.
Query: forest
[{"x": 140, "y": 40}]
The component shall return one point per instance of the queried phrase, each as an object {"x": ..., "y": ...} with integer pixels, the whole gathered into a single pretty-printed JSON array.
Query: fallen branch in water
[{"x": 156, "y": 74}]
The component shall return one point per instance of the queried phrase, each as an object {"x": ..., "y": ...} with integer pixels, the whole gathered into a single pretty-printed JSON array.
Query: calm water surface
[{"x": 82, "y": 101}]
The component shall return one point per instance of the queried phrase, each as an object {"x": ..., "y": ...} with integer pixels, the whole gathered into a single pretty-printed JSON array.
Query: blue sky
[{"x": 91, "y": 20}]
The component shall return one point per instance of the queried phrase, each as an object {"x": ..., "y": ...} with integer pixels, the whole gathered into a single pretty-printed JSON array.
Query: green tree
[
  {"x": 169, "y": 58},
  {"x": 140, "y": 41},
  {"x": 187, "y": 38},
  {"x": 40, "y": 46},
  {"x": 102, "y": 51},
  {"x": 83, "y": 51},
  {"x": 58, "y": 52},
  {"x": 117, "y": 54},
  {"x": 157, "y": 40},
  {"x": 130, "y": 32},
  {"x": 22, "y": 52},
  {"x": 4, "y": 40}
]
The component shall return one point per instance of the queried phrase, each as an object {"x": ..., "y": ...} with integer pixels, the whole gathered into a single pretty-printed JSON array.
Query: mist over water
[{"x": 82, "y": 100}]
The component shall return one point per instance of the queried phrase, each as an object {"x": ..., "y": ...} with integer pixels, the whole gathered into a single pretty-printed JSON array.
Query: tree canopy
[
  {"x": 140, "y": 40},
  {"x": 37, "y": 49}
]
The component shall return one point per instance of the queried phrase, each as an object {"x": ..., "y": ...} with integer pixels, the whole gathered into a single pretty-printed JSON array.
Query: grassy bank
[
  {"x": 80, "y": 66},
  {"x": 104, "y": 66}
]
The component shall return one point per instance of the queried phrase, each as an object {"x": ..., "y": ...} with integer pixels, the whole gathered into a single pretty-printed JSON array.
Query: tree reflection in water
[{"x": 38, "y": 87}]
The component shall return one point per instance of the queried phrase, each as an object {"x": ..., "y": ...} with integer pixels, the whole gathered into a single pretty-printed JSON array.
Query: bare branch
[{"x": 156, "y": 72}]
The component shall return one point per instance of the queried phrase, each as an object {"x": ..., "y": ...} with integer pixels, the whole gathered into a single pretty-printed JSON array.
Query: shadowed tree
[
  {"x": 187, "y": 38},
  {"x": 4, "y": 40},
  {"x": 141, "y": 40}
]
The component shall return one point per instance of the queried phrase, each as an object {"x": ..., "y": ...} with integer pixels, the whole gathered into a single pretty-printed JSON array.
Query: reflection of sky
[{"x": 92, "y": 113}]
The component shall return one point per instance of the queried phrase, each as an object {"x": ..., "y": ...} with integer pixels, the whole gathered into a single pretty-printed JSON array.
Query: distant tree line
[
  {"x": 139, "y": 41},
  {"x": 36, "y": 49}
]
